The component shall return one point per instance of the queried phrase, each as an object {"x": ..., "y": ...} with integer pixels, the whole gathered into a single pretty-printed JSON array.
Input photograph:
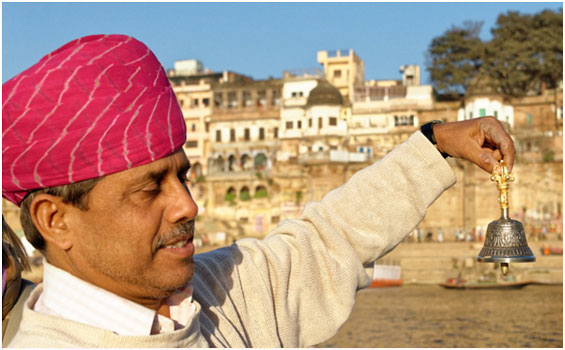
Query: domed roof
[{"x": 325, "y": 94}]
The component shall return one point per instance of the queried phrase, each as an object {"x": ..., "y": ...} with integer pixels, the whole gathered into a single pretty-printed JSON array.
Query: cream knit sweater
[{"x": 297, "y": 286}]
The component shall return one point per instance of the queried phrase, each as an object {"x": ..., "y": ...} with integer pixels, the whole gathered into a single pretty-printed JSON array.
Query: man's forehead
[{"x": 173, "y": 162}]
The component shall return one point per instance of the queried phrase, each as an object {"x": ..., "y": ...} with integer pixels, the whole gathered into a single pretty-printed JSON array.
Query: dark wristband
[{"x": 428, "y": 131}]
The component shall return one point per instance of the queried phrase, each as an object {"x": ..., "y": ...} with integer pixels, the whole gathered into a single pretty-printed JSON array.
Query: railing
[
  {"x": 338, "y": 53},
  {"x": 303, "y": 72}
]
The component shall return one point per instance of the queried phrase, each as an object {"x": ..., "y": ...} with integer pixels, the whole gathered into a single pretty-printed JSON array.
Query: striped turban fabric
[{"x": 96, "y": 106}]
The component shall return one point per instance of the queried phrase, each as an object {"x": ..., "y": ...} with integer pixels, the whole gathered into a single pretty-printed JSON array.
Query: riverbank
[{"x": 418, "y": 316}]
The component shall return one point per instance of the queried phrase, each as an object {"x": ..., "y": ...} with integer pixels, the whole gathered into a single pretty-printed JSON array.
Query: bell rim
[{"x": 507, "y": 259}]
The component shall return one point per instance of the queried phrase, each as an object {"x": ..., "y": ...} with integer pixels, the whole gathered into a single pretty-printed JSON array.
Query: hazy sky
[{"x": 256, "y": 39}]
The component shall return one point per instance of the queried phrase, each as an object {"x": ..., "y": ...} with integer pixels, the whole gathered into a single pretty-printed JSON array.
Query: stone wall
[{"x": 430, "y": 263}]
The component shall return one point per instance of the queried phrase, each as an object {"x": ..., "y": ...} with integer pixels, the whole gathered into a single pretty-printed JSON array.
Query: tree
[
  {"x": 548, "y": 44},
  {"x": 525, "y": 55},
  {"x": 455, "y": 58},
  {"x": 526, "y": 52}
]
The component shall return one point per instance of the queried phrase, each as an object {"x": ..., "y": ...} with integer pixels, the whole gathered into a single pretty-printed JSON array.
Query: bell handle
[{"x": 502, "y": 177}]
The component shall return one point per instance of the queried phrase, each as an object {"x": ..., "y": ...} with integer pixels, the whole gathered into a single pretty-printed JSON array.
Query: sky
[{"x": 260, "y": 40}]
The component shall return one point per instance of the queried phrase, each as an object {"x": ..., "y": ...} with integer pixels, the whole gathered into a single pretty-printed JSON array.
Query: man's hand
[{"x": 482, "y": 141}]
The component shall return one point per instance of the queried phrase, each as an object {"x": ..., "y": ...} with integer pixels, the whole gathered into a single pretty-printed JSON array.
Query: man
[
  {"x": 15, "y": 289},
  {"x": 92, "y": 150}
]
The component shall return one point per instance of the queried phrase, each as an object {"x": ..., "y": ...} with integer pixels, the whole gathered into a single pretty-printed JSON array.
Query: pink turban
[{"x": 97, "y": 105}]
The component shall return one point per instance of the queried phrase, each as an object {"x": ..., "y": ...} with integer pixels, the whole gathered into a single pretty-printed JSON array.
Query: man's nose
[{"x": 181, "y": 206}]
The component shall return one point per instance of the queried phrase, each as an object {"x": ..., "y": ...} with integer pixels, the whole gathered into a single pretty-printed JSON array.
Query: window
[
  {"x": 207, "y": 126},
  {"x": 320, "y": 123},
  {"x": 246, "y": 134},
  {"x": 529, "y": 118},
  {"x": 218, "y": 135},
  {"x": 244, "y": 195},
  {"x": 403, "y": 120},
  {"x": 337, "y": 73},
  {"x": 470, "y": 115},
  {"x": 247, "y": 101},
  {"x": 333, "y": 121},
  {"x": 276, "y": 98},
  {"x": 195, "y": 102},
  {"x": 310, "y": 122},
  {"x": 299, "y": 124},
  {"x": 412, "y": 119},
  {"x": 261, "y": 133},
  {"x": 193, "y": 127},
  {"x": 232, "y": 135},
  {"x": 496, "y": 114},
  {"x": 293, "y": 94},
  {"x": 289, "y": 125},
  {"x": 261, "y": 98},
  {"x": 395, "y": 120},
  {"x": 232, "y": 99},
  {"x": 191, "y": 144},
  {"x": 276, "y": 133},
  {"x": 206, "y": 102},
  {"x": 218, "y": 100},
  {"x": 181, "y": 103},
  {"x": 482, "y": 112}
]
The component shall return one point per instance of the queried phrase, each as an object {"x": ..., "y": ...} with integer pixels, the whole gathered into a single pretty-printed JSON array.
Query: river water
[{"x": 431, "y": 316}]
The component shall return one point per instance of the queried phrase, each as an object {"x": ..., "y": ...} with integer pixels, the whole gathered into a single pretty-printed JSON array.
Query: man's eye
[{"x": 152, "y": 191}]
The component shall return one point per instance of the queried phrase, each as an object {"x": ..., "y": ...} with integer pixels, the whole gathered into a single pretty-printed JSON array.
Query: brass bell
[{"x": 505, "y": 240}]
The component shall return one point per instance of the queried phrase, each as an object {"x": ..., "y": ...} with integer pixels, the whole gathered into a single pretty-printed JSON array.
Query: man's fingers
[
  {"x": 483, "y": 157},
  {"x": 497, "y": 155},
  {"x": 496, "y": 135}
]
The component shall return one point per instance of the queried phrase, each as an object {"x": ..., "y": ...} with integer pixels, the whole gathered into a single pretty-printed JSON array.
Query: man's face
[{"x": 135, "y": 239}]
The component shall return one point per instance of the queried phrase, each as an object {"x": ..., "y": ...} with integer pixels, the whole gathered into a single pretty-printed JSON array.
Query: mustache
[{"x": 180, "y": 231}]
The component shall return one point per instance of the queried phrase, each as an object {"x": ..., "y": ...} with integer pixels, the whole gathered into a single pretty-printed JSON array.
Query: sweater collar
[{"x": 72, "y": 298}]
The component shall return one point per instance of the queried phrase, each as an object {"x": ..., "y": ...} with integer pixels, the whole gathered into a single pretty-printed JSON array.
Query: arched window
[
  {"x": 220, "y": 163},
  {"x": 260, "y": 192},
  {"x": 230, "y": 196},
  {"x": 196, "y": 171},
  {"x": 244, "y": 194},
  {"x": 231, "y": 163},
  {"x": 260, "y": 161},
  {"x": 246, "y": 162}
]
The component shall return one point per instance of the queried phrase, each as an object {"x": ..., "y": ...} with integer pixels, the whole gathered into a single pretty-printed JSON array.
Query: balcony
[
  {"x": 295, "y": 102},
  {"x": 243, "y": 145},
  {"x": 333, "y": 156}
]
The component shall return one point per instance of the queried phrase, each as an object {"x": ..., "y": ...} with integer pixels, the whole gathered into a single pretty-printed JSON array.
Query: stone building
[
  {"x": 261, "y": 149},
  {"x": 343, "y": 69},
  {"x": 244, "y": 134}
]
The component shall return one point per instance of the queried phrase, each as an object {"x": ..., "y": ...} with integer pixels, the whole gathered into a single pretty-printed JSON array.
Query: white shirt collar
[{"x": 69, "y": 297}]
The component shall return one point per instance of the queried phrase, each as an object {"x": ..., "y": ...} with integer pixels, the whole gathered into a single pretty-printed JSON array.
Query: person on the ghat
[{"x": 92, "y": 152}]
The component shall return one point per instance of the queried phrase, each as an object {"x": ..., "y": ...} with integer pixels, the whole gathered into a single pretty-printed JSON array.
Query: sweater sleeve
[{"x": 297, "y": 286}]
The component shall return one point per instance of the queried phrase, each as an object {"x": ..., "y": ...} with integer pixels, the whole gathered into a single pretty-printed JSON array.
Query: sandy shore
[{"x": 430, "y": 316}]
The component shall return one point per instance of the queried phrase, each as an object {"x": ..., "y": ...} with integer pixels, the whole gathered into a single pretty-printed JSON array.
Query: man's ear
[{"x": 50, "y": 216}]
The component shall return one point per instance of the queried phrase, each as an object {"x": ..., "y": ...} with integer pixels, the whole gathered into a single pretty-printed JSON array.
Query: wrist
[{"x": 429, "y": 130}]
